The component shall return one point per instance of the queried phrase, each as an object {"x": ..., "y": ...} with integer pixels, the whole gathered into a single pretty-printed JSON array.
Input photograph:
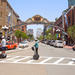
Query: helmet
[{"x": 2, "y": 37}]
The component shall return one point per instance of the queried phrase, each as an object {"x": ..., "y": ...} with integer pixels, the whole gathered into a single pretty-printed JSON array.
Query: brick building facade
[
  {"x": 69, "y": 20},
  {"x": 70, "y": 17},
  {"x": 8, "y": 16}
]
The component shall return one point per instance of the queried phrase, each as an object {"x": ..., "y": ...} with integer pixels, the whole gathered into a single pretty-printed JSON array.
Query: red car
[{"x": 10, "y": 45}]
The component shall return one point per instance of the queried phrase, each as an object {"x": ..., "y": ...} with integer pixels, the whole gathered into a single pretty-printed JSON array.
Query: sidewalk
[{"x": 68, "y": 46}]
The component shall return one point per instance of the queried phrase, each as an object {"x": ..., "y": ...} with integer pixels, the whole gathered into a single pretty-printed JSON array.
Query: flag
[
  {"x": 9, "y": 17},
  {"x": 66, "y": 20},
  {"x": 59, "y": 35}
]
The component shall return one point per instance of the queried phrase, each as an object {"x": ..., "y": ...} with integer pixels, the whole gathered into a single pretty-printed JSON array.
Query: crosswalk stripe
[
  {"x": 29, "y": 61},
  {"x": 13, "y": 58},
  {"x": 43, "y": 60},
  {"x": 46, "y": 60},
  {"x": 58, "y": 61},
  {"x": 21, "y": 59},
  {"x": 2, "y": 61},
  {"x": 70, "y": 63}
]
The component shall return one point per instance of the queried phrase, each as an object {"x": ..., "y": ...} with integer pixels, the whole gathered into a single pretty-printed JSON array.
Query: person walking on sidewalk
[
  {"x": 64, "y": 43},
  {"x": 3, "y": 42}
]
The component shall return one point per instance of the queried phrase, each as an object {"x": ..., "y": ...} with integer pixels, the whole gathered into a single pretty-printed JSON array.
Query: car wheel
[
  {"x": 14, "y": 47},
  {"x": 73, "y": 49},
  {"x": 6, "y": 48}
]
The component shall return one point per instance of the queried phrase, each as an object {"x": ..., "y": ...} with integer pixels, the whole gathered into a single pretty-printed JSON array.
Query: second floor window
[{"x": 0, "y": 14}]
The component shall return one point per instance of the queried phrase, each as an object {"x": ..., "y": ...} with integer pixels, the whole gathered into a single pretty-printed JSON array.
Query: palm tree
[
  {"x": 18, "y": 35},
  {"x": 71, "y": 32}
]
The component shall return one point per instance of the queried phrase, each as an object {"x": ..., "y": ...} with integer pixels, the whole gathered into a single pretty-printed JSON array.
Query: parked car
[
  {"x": 58, "y": 43},
  {"x": 48, "y": 42},
  {"x": 73, "y": 48},
  {"x": 23, "y": 44},
  {"x": 10, "y": 45},
  {"x": 52, "y": 42}
]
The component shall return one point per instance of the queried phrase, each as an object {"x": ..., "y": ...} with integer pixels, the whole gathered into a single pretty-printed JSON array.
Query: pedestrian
[
  {"x": 64, "y": 42},
  {"x": 3, "y": 42},
  {"x": 36, "y": 55},
  {"x": 0, "y": 45}
]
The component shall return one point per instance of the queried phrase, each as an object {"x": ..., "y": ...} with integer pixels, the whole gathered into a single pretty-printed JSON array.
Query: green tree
[
  {"x": 49, "y": 34},
  {"x": 71, "y": 32},
  {"x": 24, "y": 36},
  {"x": 48, "y": 31},
  {"x": 40, "y": 38},
  {"x": 18, "y": 35},
  {"x": 30, "y": 36},
  {"x": 54, "y": 37}
]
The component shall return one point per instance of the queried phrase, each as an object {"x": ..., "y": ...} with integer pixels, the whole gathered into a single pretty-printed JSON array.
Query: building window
[
  {"x": 22, "y": 27},
  {"x": 69, "y": 20},
  {"x": 1, "y": 2},
  {"x": 72, "y": 17},
  {"x": 0, "y": 14}
]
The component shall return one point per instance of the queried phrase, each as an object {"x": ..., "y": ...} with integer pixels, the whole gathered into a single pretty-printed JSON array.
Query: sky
[
  {"x": 49, "y": 9},
  {"x": 35, "y": 27}
]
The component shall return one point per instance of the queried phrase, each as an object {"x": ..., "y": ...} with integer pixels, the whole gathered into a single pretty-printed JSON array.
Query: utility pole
[{"x": 63, "y": 13}]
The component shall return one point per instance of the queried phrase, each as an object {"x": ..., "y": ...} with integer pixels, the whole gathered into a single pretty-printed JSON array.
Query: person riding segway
[
  {"x": 3, "y": 44},
  {"x": 36, "y": 55}
]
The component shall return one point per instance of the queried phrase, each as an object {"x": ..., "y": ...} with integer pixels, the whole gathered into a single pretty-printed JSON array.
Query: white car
[
  {"x": 58, "y": 43},
  {"x": 23, "y": 44}
]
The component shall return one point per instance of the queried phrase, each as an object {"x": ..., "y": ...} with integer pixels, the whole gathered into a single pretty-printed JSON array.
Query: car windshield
[
  {"x": 60, "y": 42},
  {"x": 23, "y": 42}
]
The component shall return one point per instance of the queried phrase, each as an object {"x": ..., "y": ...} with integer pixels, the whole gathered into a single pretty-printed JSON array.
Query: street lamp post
[{"x": 5, "y": 28}]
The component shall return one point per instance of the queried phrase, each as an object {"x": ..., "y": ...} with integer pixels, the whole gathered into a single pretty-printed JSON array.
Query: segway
[
  {"x": 36, "y": 55},
  {"x": 2, "y": 55}
]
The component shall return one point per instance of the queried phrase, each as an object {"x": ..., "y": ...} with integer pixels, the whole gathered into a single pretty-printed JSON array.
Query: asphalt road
[{"x": 52, "y": 61}]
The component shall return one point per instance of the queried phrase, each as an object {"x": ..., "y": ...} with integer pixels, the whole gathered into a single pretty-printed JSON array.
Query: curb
[{"x": 70, "y": 47}]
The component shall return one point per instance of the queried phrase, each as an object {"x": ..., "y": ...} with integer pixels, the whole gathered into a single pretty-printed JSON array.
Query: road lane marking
[
  {"x": 70, "y": 63},
  {"x": 22, "y": 59},
  {"x": 13, "y": 58},
  {"x": 58, "y": 61},
  {"x": 31, "y": 61},
  {"x": 46, "y": 60},
  {"x": 28, "y": 60}
]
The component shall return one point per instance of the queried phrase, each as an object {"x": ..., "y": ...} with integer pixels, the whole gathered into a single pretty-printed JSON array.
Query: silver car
[{"x": 58, "y": 43}]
